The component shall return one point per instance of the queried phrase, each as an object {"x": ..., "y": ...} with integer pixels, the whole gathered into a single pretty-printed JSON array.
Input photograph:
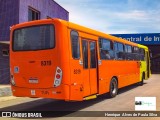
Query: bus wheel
[
  {"x": 113, "y": 88},
  {"x": 142, "y": 80}
]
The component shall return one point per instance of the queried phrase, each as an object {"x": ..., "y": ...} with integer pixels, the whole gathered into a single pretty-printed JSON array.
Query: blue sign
[{"x": 145, "y": 39}]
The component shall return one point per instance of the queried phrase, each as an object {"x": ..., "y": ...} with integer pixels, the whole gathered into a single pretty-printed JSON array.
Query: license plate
[{"x": 33, "y": 81}]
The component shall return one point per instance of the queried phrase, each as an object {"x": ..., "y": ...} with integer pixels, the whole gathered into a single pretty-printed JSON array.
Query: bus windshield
[{"x": 39, "y": 37}]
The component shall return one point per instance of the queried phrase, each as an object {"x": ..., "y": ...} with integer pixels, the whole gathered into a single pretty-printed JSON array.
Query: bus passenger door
[
  {"x": 93, "y": 67},
  {"x": 89, "y": 55}
]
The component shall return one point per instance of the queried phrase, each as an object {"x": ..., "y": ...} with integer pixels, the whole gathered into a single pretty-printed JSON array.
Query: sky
[{"x": 115, "y": 16}]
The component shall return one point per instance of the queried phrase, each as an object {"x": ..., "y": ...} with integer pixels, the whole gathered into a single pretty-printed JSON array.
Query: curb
[
  {"x": 7, "y": 98},
  {"x": 5, "y": 91}
]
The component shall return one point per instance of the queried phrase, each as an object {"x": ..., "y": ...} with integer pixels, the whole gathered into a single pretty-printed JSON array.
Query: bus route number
[{"x": 46, "y": 63}]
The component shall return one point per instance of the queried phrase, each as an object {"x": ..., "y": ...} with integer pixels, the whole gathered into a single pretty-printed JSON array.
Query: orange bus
[{"x": 58, "y": 59}]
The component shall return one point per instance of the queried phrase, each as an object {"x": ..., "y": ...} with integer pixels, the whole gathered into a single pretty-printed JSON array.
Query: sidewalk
[
  {"x": 5, "y": 90},
  {"x": 5, "y": 93}
]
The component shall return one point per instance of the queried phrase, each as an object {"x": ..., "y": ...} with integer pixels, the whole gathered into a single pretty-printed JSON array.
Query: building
[
  {"x": 18, "y": 11},
  {"x": 152, "y": 40}
]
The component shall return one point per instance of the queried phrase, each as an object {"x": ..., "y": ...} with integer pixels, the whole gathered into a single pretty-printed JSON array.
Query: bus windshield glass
[{"x": 34, "y": 38}]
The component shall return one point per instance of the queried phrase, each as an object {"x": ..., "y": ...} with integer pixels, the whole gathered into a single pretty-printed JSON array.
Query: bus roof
[
  {"x": 78, "y": 28},
  {"x": 94, "y": 32},
  {"x": 142, "y": 46}
]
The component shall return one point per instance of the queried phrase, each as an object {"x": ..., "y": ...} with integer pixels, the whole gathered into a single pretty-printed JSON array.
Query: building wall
[
  {"x": 16, "y": 11},
  {"x": 4, "y": 65},
  {"x": 155, "y": 59},
  {"x": 45, "y": 7},
  {"x": 8, "y": 16}
]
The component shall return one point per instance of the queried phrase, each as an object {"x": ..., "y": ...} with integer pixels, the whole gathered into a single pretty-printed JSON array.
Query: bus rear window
[{"x": 34, "y": 38}]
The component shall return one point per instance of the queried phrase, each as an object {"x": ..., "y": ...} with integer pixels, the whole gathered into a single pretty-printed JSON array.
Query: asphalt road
[{"x": 124, "y": 101}]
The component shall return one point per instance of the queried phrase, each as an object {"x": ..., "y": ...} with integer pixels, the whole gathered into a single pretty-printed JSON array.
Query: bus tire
[
  {"x": 142, "y": 80},
  {"x": 113, "y": 89}
]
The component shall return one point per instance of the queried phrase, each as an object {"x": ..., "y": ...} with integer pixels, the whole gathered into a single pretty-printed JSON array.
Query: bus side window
[
  {"x": 128, "y": 49},
  {"x": 116, "y": 49},
  {"x": 75, "y": 44},
  {"x": 121, "y": 54},
  {"x": 106, "y": 49},
  {"x": 136, "y": 55},
  {"x": 142, "y": 54},
  {"x": 119, "y": 51}
]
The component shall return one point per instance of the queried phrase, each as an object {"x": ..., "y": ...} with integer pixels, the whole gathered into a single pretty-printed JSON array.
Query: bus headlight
[{"x": 58, "y": 77}]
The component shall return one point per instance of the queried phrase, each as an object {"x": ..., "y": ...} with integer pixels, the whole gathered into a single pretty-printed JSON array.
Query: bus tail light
[
  {"x": 12, "y": 80},
  {"x": 58, "y": 77}
]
